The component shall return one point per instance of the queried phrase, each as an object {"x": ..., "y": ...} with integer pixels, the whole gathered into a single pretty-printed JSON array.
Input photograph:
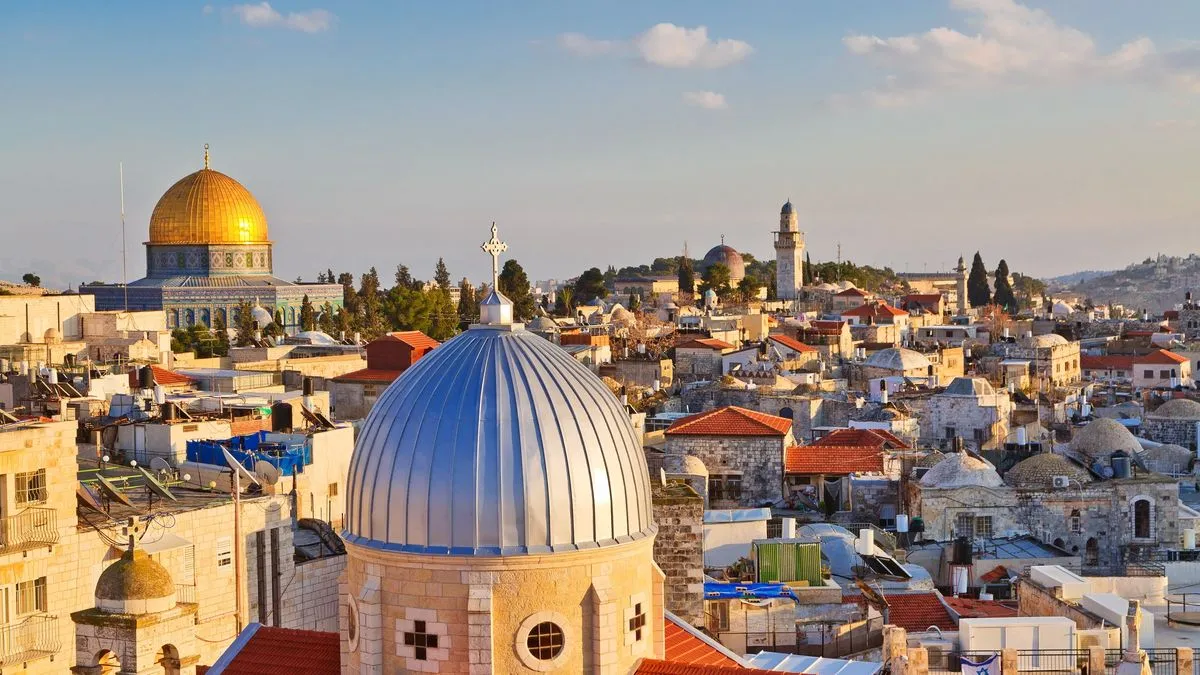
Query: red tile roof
[
  {"x": 730, "y": 421},
  {"x": 1107, "y": 362},
  {"x": 1171, "y": 314},
  {"x": 369, "y": 376},
  {"x": 704, "y": 343},
  {"x": 832, "y": 460},
  {"x": 922, "y": 299},
  {"x": 283, "y": 651},
  {"x": 683, "y": 647},
  {"x": 914, "y": 612},
  {"x": 995, "y": 574},
  {"x": 865, "y": 438},
  {"x": 413, "y": 338},
  {"x": 1160, "y": 356},
  {"x": 656, "y": 667},
  {"x": 853, "y": 292},
  {"x": 163, "y": 377},
  {"x": 971, "y": 608},
  {"x": 792, "y": 343},
  {"x": 875, "y": 309}
]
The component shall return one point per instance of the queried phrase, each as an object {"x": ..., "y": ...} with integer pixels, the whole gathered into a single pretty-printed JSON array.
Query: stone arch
[
  {"x": 107, "y": 662},
  {"x": 1141, "y": 515},
  {"x": 787, "y": 412},
  {"x": 189, "y": 317},
  {"x": 173, "y": 319},
  {"x": 1091, "y": 552},
  {"x": 168, "y": 658}
]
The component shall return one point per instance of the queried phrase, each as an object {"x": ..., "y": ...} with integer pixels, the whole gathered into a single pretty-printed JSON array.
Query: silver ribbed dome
[{"x": 497, "y": 443}]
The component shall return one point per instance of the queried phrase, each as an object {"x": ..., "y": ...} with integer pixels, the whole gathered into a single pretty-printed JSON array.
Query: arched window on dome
[
  {"x": 205, "y": 318},
  {"x": 291, "y": 316},
  {"x": 219, "y": 317},
  {"x": 173, "y": 319}
]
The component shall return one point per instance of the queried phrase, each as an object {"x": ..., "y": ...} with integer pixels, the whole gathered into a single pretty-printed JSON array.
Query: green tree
[
  {"x": 590, "y": 285},
  {"x": 564, "y": 301},
  {"x": 308, "y": 316},
  {"x": 807, "y": 277},
  {"x": 441, "y": 275},
  {"x": 1004, "y": 292},
  {"x": 244, "y": 325},
  {"x": 515, "y": 285},
  {"x": 327, "y": 321},
  {"x": 468, "y": 303},
  {"x": 32, "y": 279},
  {"x": 403, "y": 276},
  {"x": 349, "y": 298},
  {"x": 749, "y": 287},
  {"x": 373, "y": 323},
  {"x": 978, "y": 292},
  {"x": 687, "y": 275},
  {"x": 716, "y": 277},
  {"x": 443, "y": 314},
  {"x": 610, "y": 275},
  {"x": 635, "y": 302},
  {"x": 221, "y": 330}
]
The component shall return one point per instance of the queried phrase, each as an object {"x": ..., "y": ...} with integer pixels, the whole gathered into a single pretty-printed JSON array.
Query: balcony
[
  {"x": 35, "y": 637},
  {"x": 34, "y": 527}
]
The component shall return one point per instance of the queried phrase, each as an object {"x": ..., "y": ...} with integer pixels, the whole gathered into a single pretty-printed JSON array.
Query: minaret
[
  {"x": 789, "y": 255},
  {"x": 962, "y": 286}
]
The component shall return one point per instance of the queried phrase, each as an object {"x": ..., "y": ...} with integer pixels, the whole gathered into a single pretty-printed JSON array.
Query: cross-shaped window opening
[
  {"x": 638, "y": 622},
  {"x": 420, "y": 640}
]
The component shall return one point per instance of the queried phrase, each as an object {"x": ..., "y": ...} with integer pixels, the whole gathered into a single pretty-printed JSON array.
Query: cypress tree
[
  {"x": 1004, "y": 292},
  {"x": 687, "y": 276},
  {"x": 978, "y": 292}
]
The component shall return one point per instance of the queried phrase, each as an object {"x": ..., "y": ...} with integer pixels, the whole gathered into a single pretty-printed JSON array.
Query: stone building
[
  {"x": 832, "y": 339},
  {"x": 743, "y": 451},
  {"x": 208, "y": 252},
  {"x": 1173, "y": 422},
  {"x": 789, "y": 255},
  {"x": 963, "y": 496},
  {"x": 897, "y": 362},
  {"x": 1054, "y": 361},
  {"x": 353, "y": 394},
  {"x": 969, "y": 409},
  {"x": 679, "y": 549},
  {"x": 499, "y": 517},
  {"x": 700, "y": 359},
  {"x": 1161, "y": 369}
]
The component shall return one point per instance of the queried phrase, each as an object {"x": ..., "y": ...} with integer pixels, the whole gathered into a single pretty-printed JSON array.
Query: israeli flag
[{"x": 989, "y": 666}]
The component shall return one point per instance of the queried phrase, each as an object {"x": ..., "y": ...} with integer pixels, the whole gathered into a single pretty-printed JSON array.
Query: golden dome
[{"x": 208, "y": 207}]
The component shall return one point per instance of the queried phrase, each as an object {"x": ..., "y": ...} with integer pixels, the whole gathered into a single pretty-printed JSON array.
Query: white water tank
[
  {"x": 902, "y": 522},
  {"x": 1189, "y": 539}
]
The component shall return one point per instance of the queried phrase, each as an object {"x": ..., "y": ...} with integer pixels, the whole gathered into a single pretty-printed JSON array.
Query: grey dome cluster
[
  {"x": 898, "y": 359},
  {"x": 1177, "y": 409},
  {"x": 959, "y": 470},
  {"x": 1038, "y": 471},
  {"x": 497, "y": 443},
  {"x": 1100, "y": 438},
  {"x": 1167, "y": 458}
]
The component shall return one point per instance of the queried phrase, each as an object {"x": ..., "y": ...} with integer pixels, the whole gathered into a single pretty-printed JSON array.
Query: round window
[{"x": 545, "y": 641}]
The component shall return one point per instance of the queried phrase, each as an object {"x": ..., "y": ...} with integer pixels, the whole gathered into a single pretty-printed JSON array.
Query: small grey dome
[
  {"x": 959, "y": 470},
  {"x": 931, "y": 459},
  {"x": 898, "y": 359},
  {"x": 969, "y": 386},
  {"x": 1178, "y": 409},
  {"x": 1167, "y": 458},
  {"x": 497, "y": 443},
  {"x": 686, "y": 465},
  {"x": 727, "y": 256},
  {"x": 543, "y": 324},
  {"x": 1039, "y": 471},
  {"x": 1100, "y": 438},
  {"x": 1043, "y": 341},
  {"x": 135, "y": 584}
]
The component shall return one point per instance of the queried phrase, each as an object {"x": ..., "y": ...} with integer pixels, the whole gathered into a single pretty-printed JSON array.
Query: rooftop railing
[{"x": 34, "y": 637}]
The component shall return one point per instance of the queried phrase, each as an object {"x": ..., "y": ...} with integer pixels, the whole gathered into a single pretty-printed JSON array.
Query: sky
[{"x": 1059, "y": 135}]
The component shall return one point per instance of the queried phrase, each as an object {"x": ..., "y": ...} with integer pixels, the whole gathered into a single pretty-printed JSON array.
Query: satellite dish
[
  {"x": 267, "y": 472},
  {"x": 155, "y": 486},
  {"x": 112, "y": 492},
  {"x": 236, "y": 466},
  {"x": 160, "y": 464}
]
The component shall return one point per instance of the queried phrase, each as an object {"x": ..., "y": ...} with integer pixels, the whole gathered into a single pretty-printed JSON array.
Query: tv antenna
[{"x": 124, "y": 269}]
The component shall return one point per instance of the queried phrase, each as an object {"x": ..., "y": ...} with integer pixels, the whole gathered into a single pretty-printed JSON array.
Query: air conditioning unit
[{"x": 1060, "y": 481}]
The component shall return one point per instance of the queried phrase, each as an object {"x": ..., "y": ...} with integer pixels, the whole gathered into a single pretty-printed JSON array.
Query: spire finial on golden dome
[{"x": 206, "y": 155}]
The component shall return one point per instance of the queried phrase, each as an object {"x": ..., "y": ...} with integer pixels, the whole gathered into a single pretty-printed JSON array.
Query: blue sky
[{"x": 1059, "y": 135}]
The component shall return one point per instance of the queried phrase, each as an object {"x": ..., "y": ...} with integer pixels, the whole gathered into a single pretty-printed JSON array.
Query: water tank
[
  {"x": 1121, "y": 464},
  {"x": 1189, "y": 539},
  {"x": 145, "y": 378},
  {"x": 307, "y": 386},
  {"x": 962, "y": 553},
  {"x": 902, "y": 522}
]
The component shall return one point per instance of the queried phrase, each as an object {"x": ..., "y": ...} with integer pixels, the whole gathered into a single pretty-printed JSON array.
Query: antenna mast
[{"x": 124, "y": 271}]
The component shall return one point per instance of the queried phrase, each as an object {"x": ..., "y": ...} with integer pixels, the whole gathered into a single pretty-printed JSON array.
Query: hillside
[{"x": 1155, "y": 284}]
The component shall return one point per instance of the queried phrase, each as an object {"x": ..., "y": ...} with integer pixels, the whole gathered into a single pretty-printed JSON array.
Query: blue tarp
[
  {"x": 726, "y": 591},
  {"x": 289, "y": 458}
]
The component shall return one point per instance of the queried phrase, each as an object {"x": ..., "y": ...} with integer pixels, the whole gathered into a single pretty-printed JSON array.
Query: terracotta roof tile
[
  {"x": 875, "y": 309},
  {"x": 1160, "y": 356},
  {"x": 834, "y": 460},
  {"x": 287, "y": 651},
  {"x": 685, "y": 648},
  {"x": 704, "y": 343},
  {"x": 163, "y": 377},
  {"x": 852, "y": 292},
  {"x": 1106, "y": 362},
  {"x": 656, "y": 667},
  {"x": 866, "y": 438},
  {"x": 730, "y": 421},
  {"x": 918, "y": 611},
  {"x": 995, "y": 574},
  {"x": 413, "y": 338},
  {"x": 792, "y": 343},
  {"x": 369, "y": 375},
  {"x": 971, "y": 608}
]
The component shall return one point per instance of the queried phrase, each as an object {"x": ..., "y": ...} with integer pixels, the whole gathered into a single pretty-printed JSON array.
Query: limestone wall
[
  {"x": 758, "y": 459},
  {"x": 679, "y": 550},
  {"x": 1169, "y": 430}
]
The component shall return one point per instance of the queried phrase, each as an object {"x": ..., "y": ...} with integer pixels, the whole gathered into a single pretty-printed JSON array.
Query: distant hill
[{"x": 1154, "y": 284}]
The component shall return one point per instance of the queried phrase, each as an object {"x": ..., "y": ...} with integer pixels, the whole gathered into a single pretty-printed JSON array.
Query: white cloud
[
  {"x": 1170, "y": 125},
  {"x": 664, "y": 45},
  {"x": 709, "y": 100},
  {"x": 263, "y": 15},
  {"x": 1011, "y": 43}
]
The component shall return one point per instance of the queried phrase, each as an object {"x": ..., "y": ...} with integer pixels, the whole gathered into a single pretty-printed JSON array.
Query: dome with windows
[{"x": 497, "y": 443}]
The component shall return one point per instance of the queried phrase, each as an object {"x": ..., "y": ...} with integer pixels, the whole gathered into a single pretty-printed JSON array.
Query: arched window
[
  {"x": 204, "y": 318},
  {"x": 173, "y": 319},
  {"x": 1091, "y": 555},
  {"x": 1143, "y": 518},
  {"x": 189, "y": 317},
  {"x": 168, "y": 658},
  {"x": 1076, "y": 521},
  {"x": 787, "y": 412},
  {"x": 108, "y": 663}
]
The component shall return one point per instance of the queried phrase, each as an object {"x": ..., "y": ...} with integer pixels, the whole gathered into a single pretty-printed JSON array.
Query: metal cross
[
  {"x": 131, "y": 530},
  {"x": 494, "y": 247}
]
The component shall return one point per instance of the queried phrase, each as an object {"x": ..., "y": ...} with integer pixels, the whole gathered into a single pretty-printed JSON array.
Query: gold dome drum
[{"x": 208, "y": 207}]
